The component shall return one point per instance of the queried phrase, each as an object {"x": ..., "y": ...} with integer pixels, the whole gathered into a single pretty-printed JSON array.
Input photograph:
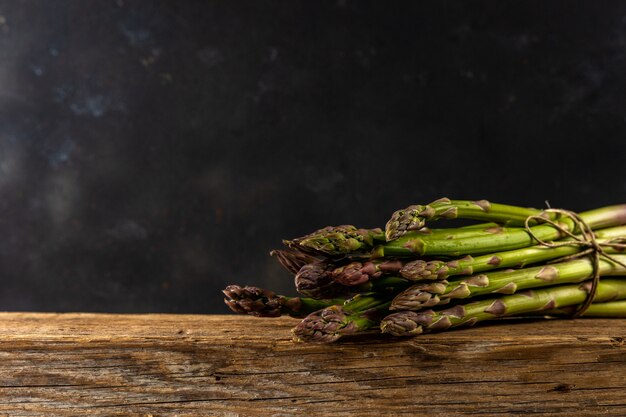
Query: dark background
[{"x": 152, "y": 152}]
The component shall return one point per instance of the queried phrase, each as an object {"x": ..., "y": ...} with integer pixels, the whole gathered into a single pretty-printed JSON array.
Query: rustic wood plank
[{"x": 184, "y": 365}]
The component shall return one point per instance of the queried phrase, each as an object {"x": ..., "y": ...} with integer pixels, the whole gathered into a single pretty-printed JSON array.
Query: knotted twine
[{"x": 586, "y": 239}]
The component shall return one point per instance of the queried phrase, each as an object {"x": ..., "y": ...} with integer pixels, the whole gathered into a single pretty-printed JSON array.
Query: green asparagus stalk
[
  {"x": 410, "y": 323},
  {"x": 415, "y": 217},
  {"x": 351, "y": 241},
  {"x": 507, "y": 239},
  {"x": 265, "y": 303},
  {"x": 410, "y": 245},
  {"x": 502, "y": 239},
  {"x": 420, "y": 270},
  {"x": 608, "y": 309},
  {"x": 423, "y": 295}
]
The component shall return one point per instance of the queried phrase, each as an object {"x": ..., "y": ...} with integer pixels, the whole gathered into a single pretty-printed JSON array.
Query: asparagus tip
[
  {"x": 353, "y": 273},
  {"x": 406, "y": 220},
  {"x": 422, "y": 270},
  {"x": 419, "y": 296},
  {"x": 256, "y": 301},
  {"x": 315, "y": 280},
  {"x": 292, "y": 259},
  {"x": 323, "y": 326},
  {"x": 404, "y": 323},
  {"x": 334, "y": 240}
]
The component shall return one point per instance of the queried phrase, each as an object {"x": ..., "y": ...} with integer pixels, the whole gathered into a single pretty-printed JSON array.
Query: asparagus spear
[
  {"x": 356, "y": 273},
  {"x": 340, "y": 243},
  {"x": 409, "y": 323},
  {"x": 415, "y": 217},
  {"x": 260, "y": 302},
  {"x": 357, "y": 315},
  {"x": 316, "y": 280},
  {"x": 608, "y": 309},
  {"x": 346, "y": 239},
  {"x": 493, "y": 240},
  {"x": 335, "y": 240},
  {"x": 507, "y": 239},
  {"x": 420, "y": 270},
  {"x": 293, "y": 259},
  {"x": 424, "y": 295}
]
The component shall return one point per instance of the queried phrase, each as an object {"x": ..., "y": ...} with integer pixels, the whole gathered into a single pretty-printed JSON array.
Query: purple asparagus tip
[
  {"x": 293, "y": 259},
  {"x": 257, "y": 301},
  {"x": 323, "y": 326},
  {"x": 315, "y": 280},
  {"x": 404, "y": 323}
]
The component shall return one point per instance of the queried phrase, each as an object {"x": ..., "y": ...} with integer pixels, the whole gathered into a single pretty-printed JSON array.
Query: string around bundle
[{"x": 586, "y": 239}]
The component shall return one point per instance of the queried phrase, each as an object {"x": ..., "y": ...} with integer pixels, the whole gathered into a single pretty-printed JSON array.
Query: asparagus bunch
[{"x": 411, "y": 279}]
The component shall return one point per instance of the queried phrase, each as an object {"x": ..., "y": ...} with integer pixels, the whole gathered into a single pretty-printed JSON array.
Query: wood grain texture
[{"x": 185, "y": 365}]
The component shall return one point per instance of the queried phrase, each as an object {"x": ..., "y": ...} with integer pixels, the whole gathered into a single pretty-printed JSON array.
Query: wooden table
[{"x": 189, "y": 365}]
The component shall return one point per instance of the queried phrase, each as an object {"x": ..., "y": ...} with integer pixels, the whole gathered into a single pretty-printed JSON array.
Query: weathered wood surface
[{"x": 184, "y": 365}]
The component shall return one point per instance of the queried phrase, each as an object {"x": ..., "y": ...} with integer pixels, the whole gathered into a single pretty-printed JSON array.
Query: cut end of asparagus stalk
[{"x": 257, "y": 301}]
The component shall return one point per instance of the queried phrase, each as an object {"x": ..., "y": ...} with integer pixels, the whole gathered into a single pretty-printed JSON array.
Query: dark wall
[{"x": 152, "y": 152}]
